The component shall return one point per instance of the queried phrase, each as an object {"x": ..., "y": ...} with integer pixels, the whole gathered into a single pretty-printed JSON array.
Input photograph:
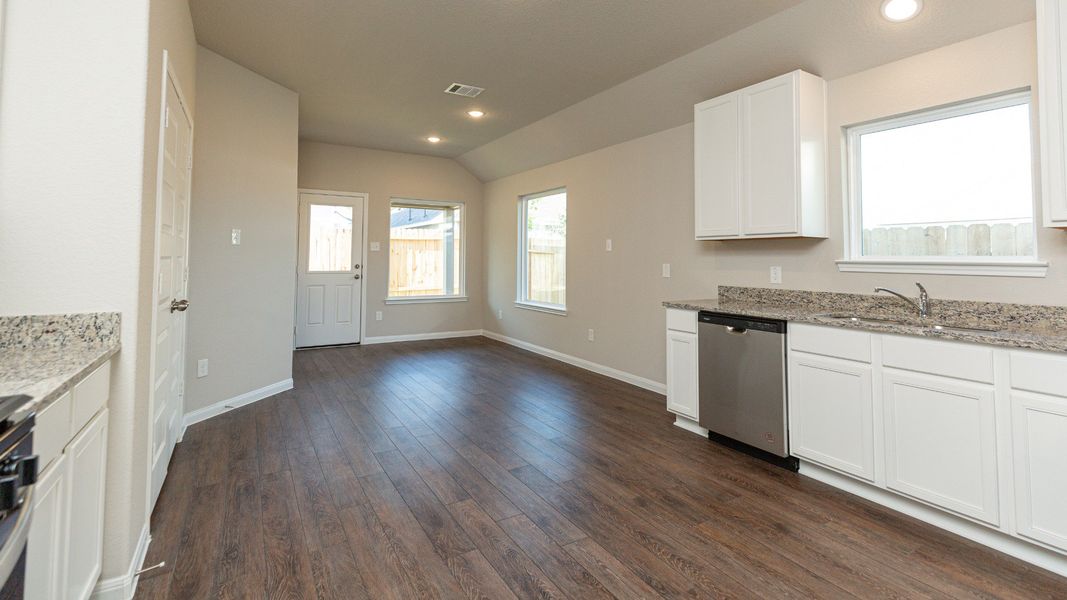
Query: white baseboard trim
[
  {"x": 415, "y": 337},
  {"x": 124, "y": 586},
  {"x": 641, "y": 382},
  {"x": 1025, "y": 551},
  {"x": 218, "y": 408},
  {"x": 690, "y": 425}
]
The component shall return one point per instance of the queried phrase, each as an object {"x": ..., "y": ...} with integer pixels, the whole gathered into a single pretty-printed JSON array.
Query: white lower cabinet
[
  {"x": 940, "y": 442},
  {"x": 46, "y": 549},
  {"x": 1040, "y": 453},
  {"x": 65, "y": 544},
  {"x": 831, "y": 413},
  {"x": 682, "y": 373},
  {"x": 87, "y": 454}
]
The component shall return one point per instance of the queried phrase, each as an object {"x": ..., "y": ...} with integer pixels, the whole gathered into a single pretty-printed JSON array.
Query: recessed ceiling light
[
  {"x": 901, "y": 10},
  {"x": 433, "y": 139},
  {"x": 476, "y": 114}
]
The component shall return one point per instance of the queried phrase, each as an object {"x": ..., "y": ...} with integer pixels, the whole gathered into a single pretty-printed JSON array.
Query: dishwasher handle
[
  {"x": 735, "y": 330},
  {"x": 737, "y": 324}
]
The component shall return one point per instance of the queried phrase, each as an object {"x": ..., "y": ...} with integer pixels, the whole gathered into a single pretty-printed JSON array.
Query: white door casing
[
  {"x": 330, "y": 269},
  {"x": 171, "y": 279}
]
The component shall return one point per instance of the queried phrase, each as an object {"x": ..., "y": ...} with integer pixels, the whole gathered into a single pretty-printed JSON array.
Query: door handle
[
  {"x": 736, "y": 330},
  {"x": 179, "y": 305},
  {"x": 356, "y": 275}
]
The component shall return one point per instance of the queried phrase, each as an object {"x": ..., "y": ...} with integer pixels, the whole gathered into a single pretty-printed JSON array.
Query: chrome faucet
[{"x": 922, "y": 306}]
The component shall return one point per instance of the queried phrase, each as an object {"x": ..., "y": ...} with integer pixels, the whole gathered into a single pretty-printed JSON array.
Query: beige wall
[
  {"x": 383, "y": 175},
  {"x": 77, "y": 164},
  {"x": 640, "y": 194},
  {"x": 244, "y": 176}
]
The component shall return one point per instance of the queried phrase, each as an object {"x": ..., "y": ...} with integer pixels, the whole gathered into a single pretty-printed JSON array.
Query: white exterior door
[
  {"x": 329, "y": 282},
  {"x": 172, "y": 277}
]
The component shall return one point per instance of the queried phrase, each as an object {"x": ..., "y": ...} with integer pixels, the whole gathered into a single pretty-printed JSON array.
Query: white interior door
[
  {"x": 172, "y": 277},
  {"x": 329, "y": 284}
]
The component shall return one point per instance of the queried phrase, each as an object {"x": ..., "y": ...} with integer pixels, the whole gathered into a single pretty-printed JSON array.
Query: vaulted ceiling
[
  {"x": 561, "y": 76},
  {"x": 371, "y": 73}
]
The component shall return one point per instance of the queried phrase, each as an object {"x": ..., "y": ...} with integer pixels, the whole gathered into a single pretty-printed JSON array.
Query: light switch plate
[
  {"x": 607, "y": 246},
  {"x": 375, "y": 246},
  {"x": 592, "y": 335},
  {"x": 666, "y": 269},
  {"x": 235, "y": 237},
  {"x": 201, "y": 368},
  {"x": 377, "y": 315},
  {"x": 776, "y": 274}
]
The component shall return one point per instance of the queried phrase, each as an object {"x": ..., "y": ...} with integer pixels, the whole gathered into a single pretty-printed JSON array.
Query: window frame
[
  {"x": 461, "y": 292},
  {"x": 1004, "y": 266},
  {"x": 522, "y": 271}
]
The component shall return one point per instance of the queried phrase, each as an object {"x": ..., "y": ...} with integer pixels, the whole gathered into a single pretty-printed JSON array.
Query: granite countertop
[
  {"x": 43, "y": 356},
  {"x": 1017, "y": 325}
]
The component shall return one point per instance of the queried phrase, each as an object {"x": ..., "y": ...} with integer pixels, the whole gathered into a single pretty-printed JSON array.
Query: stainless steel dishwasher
[{"x": 742, "y": 384}]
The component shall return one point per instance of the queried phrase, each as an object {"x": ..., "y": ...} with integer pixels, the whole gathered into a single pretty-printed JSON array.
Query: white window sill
[
  {"x": 988, "y": 268},
  {"x": 424, "y": 299},
  {"x": 545, "y": 308}
]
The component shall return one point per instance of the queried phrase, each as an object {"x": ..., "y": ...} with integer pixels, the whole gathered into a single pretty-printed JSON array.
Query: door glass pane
[
  {"x": 546, "y": 249},
  {"x": 329, "y": 238}
]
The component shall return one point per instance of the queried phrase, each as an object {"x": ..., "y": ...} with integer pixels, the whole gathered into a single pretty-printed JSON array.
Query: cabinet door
[
  {"x": 87, "y": 456},
  {"x": 716, "y": 135},
  {"x": 1052, "y": 69},
  {"x": 831, "y": 413},
  {"x": 682, "y": 373},
  {"x": 1040, "y": 440},
  {"x": 46, "y": 550},
  {"x": 769, "y": 187},
  {"x": 940, "y": 437}
]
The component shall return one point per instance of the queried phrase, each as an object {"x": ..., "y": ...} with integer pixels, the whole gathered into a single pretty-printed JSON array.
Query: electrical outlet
[
  {"x": 201, "y": 367},
  {"x": 500, "y": 313},
  {"x": 666, "y": 269},
  {"x": 776, "y": 274},
  {"x": 235, "y": 237},
  {"x": 607, "y": 245},
  {"x": 377, "y": 315},
  {"x": 592, "y": 335},
  {"x": 375, "y": 246}
]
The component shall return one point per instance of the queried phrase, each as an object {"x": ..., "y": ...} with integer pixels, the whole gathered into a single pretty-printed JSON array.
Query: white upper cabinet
[
  {"x": 1052, "y": 74},
  {"x": 718, "y": 131},
  {"x": 761, "y": 160}
]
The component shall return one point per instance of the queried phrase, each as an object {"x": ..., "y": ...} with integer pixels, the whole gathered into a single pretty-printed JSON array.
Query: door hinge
[
  {"x": 181, "y": 389},
  {"x": 166, "y": 118},
  {"x": 189, "y": 162}
]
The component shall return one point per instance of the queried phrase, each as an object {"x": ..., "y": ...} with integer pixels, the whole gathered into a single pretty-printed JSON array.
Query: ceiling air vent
[{"x": 462, "y": 89}]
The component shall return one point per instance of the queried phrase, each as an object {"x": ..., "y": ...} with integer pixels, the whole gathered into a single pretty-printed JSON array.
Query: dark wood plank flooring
[{"x": 470, "y": 469}]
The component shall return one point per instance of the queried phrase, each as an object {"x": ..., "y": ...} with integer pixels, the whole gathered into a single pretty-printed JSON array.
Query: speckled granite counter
[
  {"x": 1035, "y": 327},
  {"x": 43, "y": 356}
]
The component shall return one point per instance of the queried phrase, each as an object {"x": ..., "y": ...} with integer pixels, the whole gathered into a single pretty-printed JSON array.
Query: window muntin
[
  {"x": 426, "y": 249},
  {"x": 329, "y": 238},
  {"x": 543, "y": 250},
  {"x": 952, "y": 184}
]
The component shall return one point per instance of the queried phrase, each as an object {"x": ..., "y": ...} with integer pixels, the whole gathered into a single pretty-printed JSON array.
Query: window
[
  {"x": 947, "y": 190},
  {"x": 425, "y": 251},
  {"x": 542, "y": 268},
  {"x": 329, "y": 238}
]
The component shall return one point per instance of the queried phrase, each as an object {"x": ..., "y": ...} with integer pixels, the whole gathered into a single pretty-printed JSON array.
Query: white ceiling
[
  {"x": 831, "y": 38},
  {"x": 371, "y": 73}
]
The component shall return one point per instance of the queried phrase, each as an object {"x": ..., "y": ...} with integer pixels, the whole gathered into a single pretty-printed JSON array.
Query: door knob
[
  {"x": 179, "y": 305},
  {"x": 355, "y": 267},
  {"x": 357, "y": 275}
]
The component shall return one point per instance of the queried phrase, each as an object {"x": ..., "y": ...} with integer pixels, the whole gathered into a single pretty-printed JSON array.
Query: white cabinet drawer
[
  {"x": 830, "y": 341},
  {"x": 1041, "y": 372},
  {"x": 938, "y": 357},
  {"x": 682, "y": 320},
  {"x": 52, "y": 431},
  {"x": 90, "y": 395}
]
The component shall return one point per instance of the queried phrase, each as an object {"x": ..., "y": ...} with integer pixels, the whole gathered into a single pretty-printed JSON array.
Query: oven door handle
[{"x": 16, "y": 541}]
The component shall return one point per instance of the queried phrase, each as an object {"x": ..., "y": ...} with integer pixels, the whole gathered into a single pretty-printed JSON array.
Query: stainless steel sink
[{"x": 931, "y": 325}]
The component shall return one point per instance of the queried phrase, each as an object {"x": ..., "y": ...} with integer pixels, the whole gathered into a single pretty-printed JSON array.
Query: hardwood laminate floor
[{"x": 470, "y": 469}]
